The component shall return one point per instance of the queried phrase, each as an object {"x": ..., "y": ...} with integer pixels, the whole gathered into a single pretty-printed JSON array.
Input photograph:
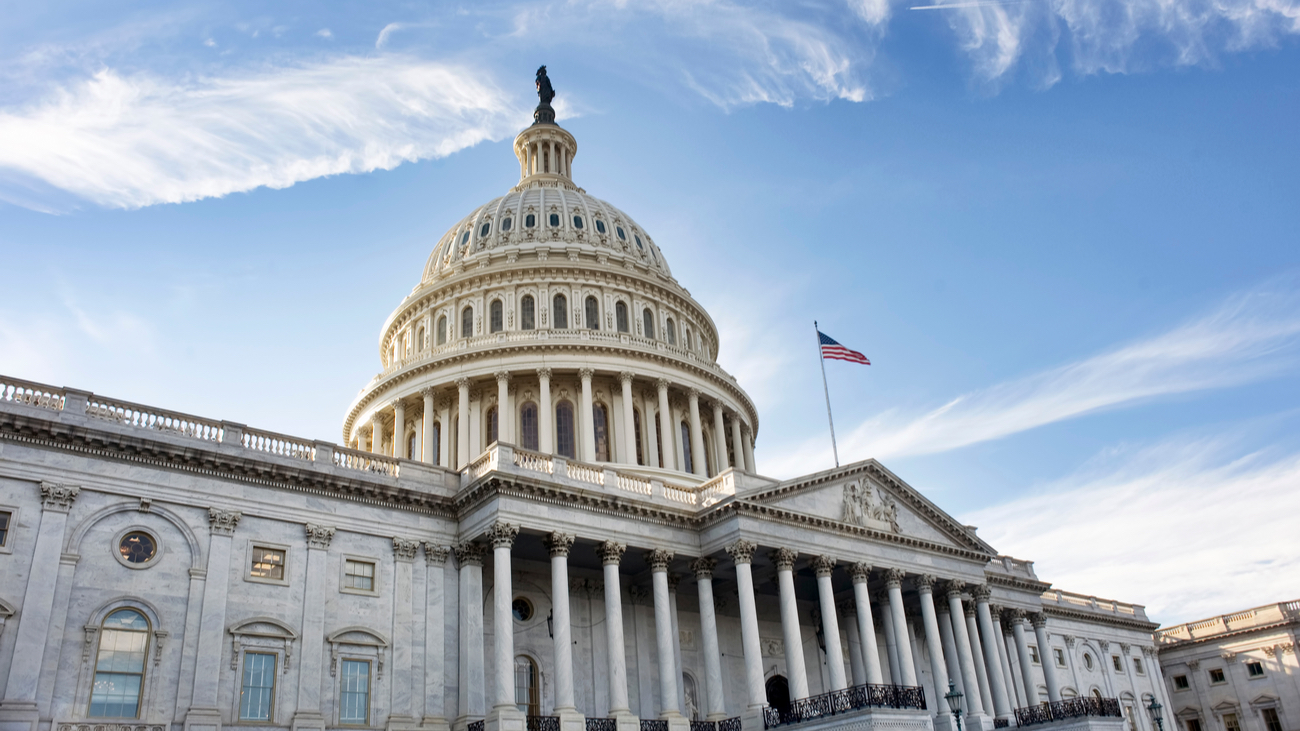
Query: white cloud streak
[{"x": 127, "y": 141}]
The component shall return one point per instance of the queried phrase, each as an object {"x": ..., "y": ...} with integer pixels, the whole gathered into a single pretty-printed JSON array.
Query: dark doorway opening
[{"x": 778, "y": 694}]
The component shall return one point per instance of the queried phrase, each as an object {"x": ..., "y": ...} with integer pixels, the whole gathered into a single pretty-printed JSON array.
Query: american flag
[{"x": 832, "y": 349}]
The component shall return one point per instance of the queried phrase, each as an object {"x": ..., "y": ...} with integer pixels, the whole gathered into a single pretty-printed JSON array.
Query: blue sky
[{"x": 1065, "y": 231}]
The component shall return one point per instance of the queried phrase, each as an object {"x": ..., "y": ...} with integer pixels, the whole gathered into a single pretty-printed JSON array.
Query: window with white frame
[
  {"x": 257, "y": 686},
  {"x": 6, "y": 518},
  {"x": 354, "y": 693},
  {"x": 1255, "y": 669},
  {"x": 359, "y": 575},
  {"x": 119, "y": 665},
  {"x": 267, "y": 562},
  {"x": 1059, "y": 655}
]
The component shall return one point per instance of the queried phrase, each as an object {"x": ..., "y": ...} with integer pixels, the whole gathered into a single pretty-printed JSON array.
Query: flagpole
[{"x": 822, "y": 360}]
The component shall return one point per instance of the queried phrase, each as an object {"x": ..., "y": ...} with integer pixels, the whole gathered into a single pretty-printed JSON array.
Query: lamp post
[
  {"x": 1155, "y": 709},
  {"x": 954, "y": 697}
]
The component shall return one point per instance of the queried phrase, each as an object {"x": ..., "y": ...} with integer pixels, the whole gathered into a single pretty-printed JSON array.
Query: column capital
[
  {"x": 703, "y": 567},
  {"x": 860, "y": 571},
  {"x": 544, "y": 373},
  {"x": 673, "y": 581},
  {"x": 223, "y": 522},
  {"x": 502, "y": 376},
  {"x": 462, "y": 382},
  {"x": 626, "y": 376},
  {"x": 396, "y": 404},
  {"x": 742, "y": 551},
  {"x": 893, "y": 577},
  {"x": 502, "y": 534},
  {"x": 663, "y": 384},
  {"x": 970, "y": 609},
  {"x": 995, "y": 611},
  {"x": 469, "y": 553},
  {"x": 586, "y": 373},
  {"x": 1015, "y": 615},
  {"x": 319, "y": 536},
  {"x": 56, "y": 497},
  {"x": 559, "y": 544},
  {"x": 658, "y": 558},
  {"x": 1038, "y": 619},
  {"x": 693, "y": 394},
  {"x": 428, "y": 392},
  {"x": 1070, "y": 640},
  {"x": 823, "y": 565},
  {"x": 925, "y": 583},
  {"x": 954, "y": 588},
  {"x": 981, "y": 592},
  {"x": 611, "y": 552},
  {"x": 784, "y": 559},
  {"x": 435, "y": 555},
  {"x": 404, "y": 549}
]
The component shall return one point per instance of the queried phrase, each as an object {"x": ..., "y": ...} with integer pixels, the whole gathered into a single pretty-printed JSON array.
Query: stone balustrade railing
[
  {"x": 1084, "y": 602},
  {"x": 1265, "y": 616},
  {"x": 18, "y": 391},
  {"x": 126, "y": 413},
  {"x": 281, "y": 444}
]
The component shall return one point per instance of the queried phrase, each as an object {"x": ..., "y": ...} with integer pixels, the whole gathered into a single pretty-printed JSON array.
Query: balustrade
[
  {"x": 366, "y": 461},
  {"x": 533, "y": 461},
  {"x": 30, "y": 394},
  {"x": 1001, "y": 723},
  {"x": 284, "y": 446},
  {"x": 600, "y": 724},
  {"x": 1068, "y": 708},
  {"x": 147, "y": 417},
  {"x": 843, "y": 701},
  {"x": 638, "y": 485},
  {"x": 475, "y": 726},
  {"x": 583, "y": 473},
  {"x": 542, "y": 723}
]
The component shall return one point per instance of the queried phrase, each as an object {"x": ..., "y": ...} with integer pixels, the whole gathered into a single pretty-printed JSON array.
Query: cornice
[
  {"x": 1114, "y": 621},
  {"x": 1014, "y": 582},
  {"x": 491, "y": 486},
  {"x": 1223, "y": 635}
]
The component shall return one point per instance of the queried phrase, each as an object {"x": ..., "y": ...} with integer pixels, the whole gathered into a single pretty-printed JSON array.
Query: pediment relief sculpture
[{"x": 866, "y": 506}]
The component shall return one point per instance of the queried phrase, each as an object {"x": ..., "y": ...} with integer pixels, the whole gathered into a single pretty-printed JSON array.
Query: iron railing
[
  {"x": 1001, "y": 723},
  {"x": 474, "y": 726},
  {"x": 602, "y": 724},
  {"x": 843, "y": 701},
  {"x": 543, "y": 723},
  {"x": 654, "y": 724},
  {"x": 704, "y": 726},
  {"x": 729, "y": 724},
  {"x": 1069, "y": 708}
]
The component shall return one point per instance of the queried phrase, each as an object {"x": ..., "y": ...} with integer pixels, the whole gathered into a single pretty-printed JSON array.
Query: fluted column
[
  {"x": 933, "y": 639},
  {"x": 666, "y": 437},
  {"x": 742, "y": 552},
  {"x": 435, "y": 645},
  {"x": 545, "y": 413},
  {"x": 950, "y": 648},
  {"x": 1039, "y": 620},
  {"x": 610, "y": 555},
  {"x": 698, "y": 462},
  {"x": 400, "y": 700},
  {"x": 848, "y": 613},
  {"x": 796, "y": 672},
  {"x": 376, "y": 433},
  {"x": 462, "y": 425},
  {"x": 891, "y": 640},
  {"x": 861, "y": 574},
  {"x": 717, "y": 702},
  {"x": 629, "y": 420},
  {"x": 737, "y": 448},
  {"x": 668, "y": 679},
  {"x": 1022, "y": 652},
  {"x": 649, "y": 428},
  {"x": 720, "y": 436},
  {"x": 469, "y": 555},
  {"x": 505, "y": 419},
  {"x": 585, "y": 419},
  {"x": 399, "y": 430},
  {"x": 427, "y": 445},
  {"x": 977, "y": 654},
  {"x": 824, "y": 566},
  {"x": 749, "y": 454},
  {"x": 559, "y": 545},
  {"x": 997, "y": 681},
  {"x": 503, "y": 537},
  {"x": 966, "y": 660},
  {"x": 906, "y": 667},
  {"x": 1015, "y": 693}
]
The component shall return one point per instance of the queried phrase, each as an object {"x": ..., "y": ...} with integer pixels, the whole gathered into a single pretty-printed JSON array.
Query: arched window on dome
[
  {"x": 555, "y": 220},
  {"x": 621, "y": 236},
  {"x": 592, "y": 308},
  {"x": 620, "y": 316},
  {"x": 690, "y": 341},
  {"x": 649, "y": 321},
  {"x": 419, "y": 339},
  {"x": 528, "y": 425},
  {"x": 659, "y": 440},
  {"x": 577, "y": 222},
  {"x": 467, "y": 322},
  {"x": 436, "y": 436},
  {"x": 600, "y": 226},
  {"x": 564, "y": 442},
  {"x": 119, "y": 665},
  {"x": 484, "y": 230},
  {"x": 560, "y": 313},
  {"x": 413, "y": 446},
  {"x": 442, "y": 330},
  {"x": 464, "y": 239},
  {"x": 670, "y": 332},
  {"x": 496, "y": 312},
  {"x": 688, "y": 464},
  {"x": 600, "y": 425},
  {"x": 530, "y": 221},
  {"x": 527, "y": 313},
  {"x": 493, "y": 430},
  {"x": 506, "y": 223},
  {"x": 636, "y": 428}
]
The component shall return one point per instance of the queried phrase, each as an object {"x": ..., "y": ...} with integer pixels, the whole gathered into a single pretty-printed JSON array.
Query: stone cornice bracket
[
  {"x": 783, "y": 558},
  {"x": 435, "y": 555},
  {"x": 58, "y": 498},
  {"x": 925, "y": 583},
  {"x": 503, "y": 534},
  {"x": 823, "y": 565},
  {"x": 626, "y": 376},
  {"x": 319, "y": 536},
  {"x": 469, "y": 553},
  {"x": 703, "y": 567},
  {"x": 981, "y": 592},
  {"x": 223, "y": 522},
  {"x": 893, "y": 578},
  {"x": 586, "y": 372},
  {"x": 658, "y": 558},
  {"x": 502, "y": 376},
  {"x": 1038, "y": 619},
  {"x": 860, "y": 571},
  {"x": 742, "y": 551},
  {"x": 404, "y": 549},
  {"x": 544, "y": 373},
  {"x": 611, "y": 552},
  {"x": 954, "y": 588},
  {"x": 559, "y": 544}
]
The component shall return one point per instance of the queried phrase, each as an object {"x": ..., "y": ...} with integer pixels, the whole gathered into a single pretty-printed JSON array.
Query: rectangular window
[
  {"x": 359, "y": 575},
  {"x": 1137, "y": 665},
  {"x": 258, "y": 687},
  {"x": 1059, "y": 654},
  {"x": 1033, "y": 655},
  {"x": 268, "y": 563},
  {"x": 1117, "y": 663},
  {"x": 1217, "y": 676},
  {"x": 1271, "y": 721},
  {"x": 354, "y": 693},
  {"x": 1193, "y": 724},
  {"x": 5, "y": 517},
  {"x": 1255, "y": 669},
  {"x": 1230, "y": 722},
  {"x": 1180, "y": 682}
]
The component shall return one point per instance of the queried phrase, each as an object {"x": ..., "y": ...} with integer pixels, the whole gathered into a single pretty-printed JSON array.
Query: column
[
  {"x": 749, "y": 454},
  {"x": 427, "y": 446},
  {"x": 1022, "y": 652},
  {"x": 647, "y": 413},
  {"x": 720, "y": 436},
  {"x": 505, "y": 415},
  {"x": 796, "y": 672},
  {"x": 610, "y": 554},
  {"x": 462, "y": 425},
  {"x": 992, "y": 659},
  {"x": 933, "y": 639},
  {"x": 585, "y": 421},
  {"x": 742, "y": 552},
  {"x": 1004, "y": 650},
  {"x": 204, "y": 712},
  {"x": 824, "y": 565},
  {"x": 502, "y": 536},
  {"x": 668, "y": 678},
  {"x": 545, "y": 412},
  {"x": 977, "y": 654},
  {"x": 950, "y": 648},
  {"x": 469, "y": 555},
  {"x": 891, "y": 642},
  {"x": 629, "y": 419},
  {"x": 308, "y": 713},
  {"x": 966, "y": 661},
  {"x": 376, "y": 433},
  {"x": 857, "y": 671},
  {"x": 559, "y": 544},
  {"x": 737, "y": 443},
  {"x": 435, "y": 559},
  {"x": 698, "y": 460},
  {"x": 399, "y": 430},
  {"x": 404, "y": 550},
  {"x": 894, "y": 583},
  {"x": 1039, "y": 621},
  {"x": 716, "y": 701},
  {"x": 666, "y": 434},
  {"x": 444, "y": 436},
  {"x": 861, "y": 573},
  {"x": 19, "y": 703},
  {"x": 673, "y": 581}
]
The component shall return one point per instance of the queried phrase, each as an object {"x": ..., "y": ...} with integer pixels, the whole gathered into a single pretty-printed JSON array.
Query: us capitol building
[{"x": 543, "y": 513}]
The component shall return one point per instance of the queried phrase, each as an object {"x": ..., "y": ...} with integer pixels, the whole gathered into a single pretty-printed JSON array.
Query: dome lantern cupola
[{"x": 545, "y": 150}]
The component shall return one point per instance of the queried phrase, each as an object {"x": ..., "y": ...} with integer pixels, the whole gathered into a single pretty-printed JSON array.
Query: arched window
[
  {"x": 492, "y": 425},
  {"x": 560, "y": 314},
  {"x": 530, "y": 220},
  {"x": 484, "y": 229},
  {"x": 436, "y": 436},
  {"x": 600, "y": 424},
  {"x": 467, "y": 322},
  {"x": 527, "y": 695},
  {"x": 659, "y": 440},
  {"x": 119, "y": 666},
  {"x": 636, "y": 427},
  {"x": 564, "y": 443},
  {"x": 708, "y": 453},
  {"x": 577, "y": 221},
  {"x": 687, "y": 463},
  {"x": 413, "y": 446},
  {"x": 600, "y": 226},
  {"x": 527, "y": 313},
  {"x": 690, "y": 341},
  {"x": 670, "y": 332},
  {"x": 442, "y": 330},
  {"x": 505, "y": 224},
  {"x": 555, "y": 220},
  {"x": 593, "y": 313},
  {"x": 649, "y": 319},
  {"x": 528, "y": 421},
  {"x": 419, "y": 339},
  {"x": 620, "y": 316},
  {"x": 497, "y": 316}
]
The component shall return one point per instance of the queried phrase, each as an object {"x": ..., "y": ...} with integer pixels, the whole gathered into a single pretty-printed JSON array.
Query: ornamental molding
[
  {"x": 223, "y": 522},
  {"x": 659, "y": 559},
  {"x": 823, "y": 565},
  {"x": 56, "y": 497},
  {"x": 404, "y": 549},
  {"x": 861, "y": 505},
  {"x": 611, "y": 552},
  {"x": 1038, "y": 619},
  {"x": 703, "y": 567},
  {"x": 742, "y": 551},
  {"x": 559, "y": 543},
  {"x": 469, "y": 553},
  {"x": 981, "y": 592},
  {"x": 784, "y": 559},
  {"x": 435, "y": 555},
  {"x": 319, "y": 536},
  {"x": 502, "y": 534},
  {"x": 1110, "y": 620}
]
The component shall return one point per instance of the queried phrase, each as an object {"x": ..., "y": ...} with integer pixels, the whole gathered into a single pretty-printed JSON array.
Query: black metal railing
[
  {"x": 1001, "y": 723},
  {"x": 654, "y": 724},
  {"x": 475, "y": 726},
  {"x": 602, "y": 724},
  {"x": 1070, "y": 708},
  {"x": 704, "y": 726},
  {"x": 729, "y": 724},
  {"x": 543, "y": 723},
  {"x": 843, "y": 701}
]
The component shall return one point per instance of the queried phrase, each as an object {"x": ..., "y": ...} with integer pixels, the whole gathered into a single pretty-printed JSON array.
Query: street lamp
[
  {"x": 1155, "y": 708},
  {"x": 954, "y": 697}
]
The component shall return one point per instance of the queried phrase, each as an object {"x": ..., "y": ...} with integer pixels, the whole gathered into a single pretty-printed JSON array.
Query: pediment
[
  {"x": 1189, "y": 712},
  {"x": 1224, "y": 706},
  {"x": 866, "y": 495},
  {"x": 357, "y": 636},
  {"x": 263, "y": 627},
  {"x": 1264, "y": 699}
]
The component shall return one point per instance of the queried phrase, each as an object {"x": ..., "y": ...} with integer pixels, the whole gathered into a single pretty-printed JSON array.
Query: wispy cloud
[
  {"x": 1184, "y": 526},
  {"x": 134, "y": 140},
  {"x": 385, "y": 32},
  {"x": 325, "y": 33}
]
